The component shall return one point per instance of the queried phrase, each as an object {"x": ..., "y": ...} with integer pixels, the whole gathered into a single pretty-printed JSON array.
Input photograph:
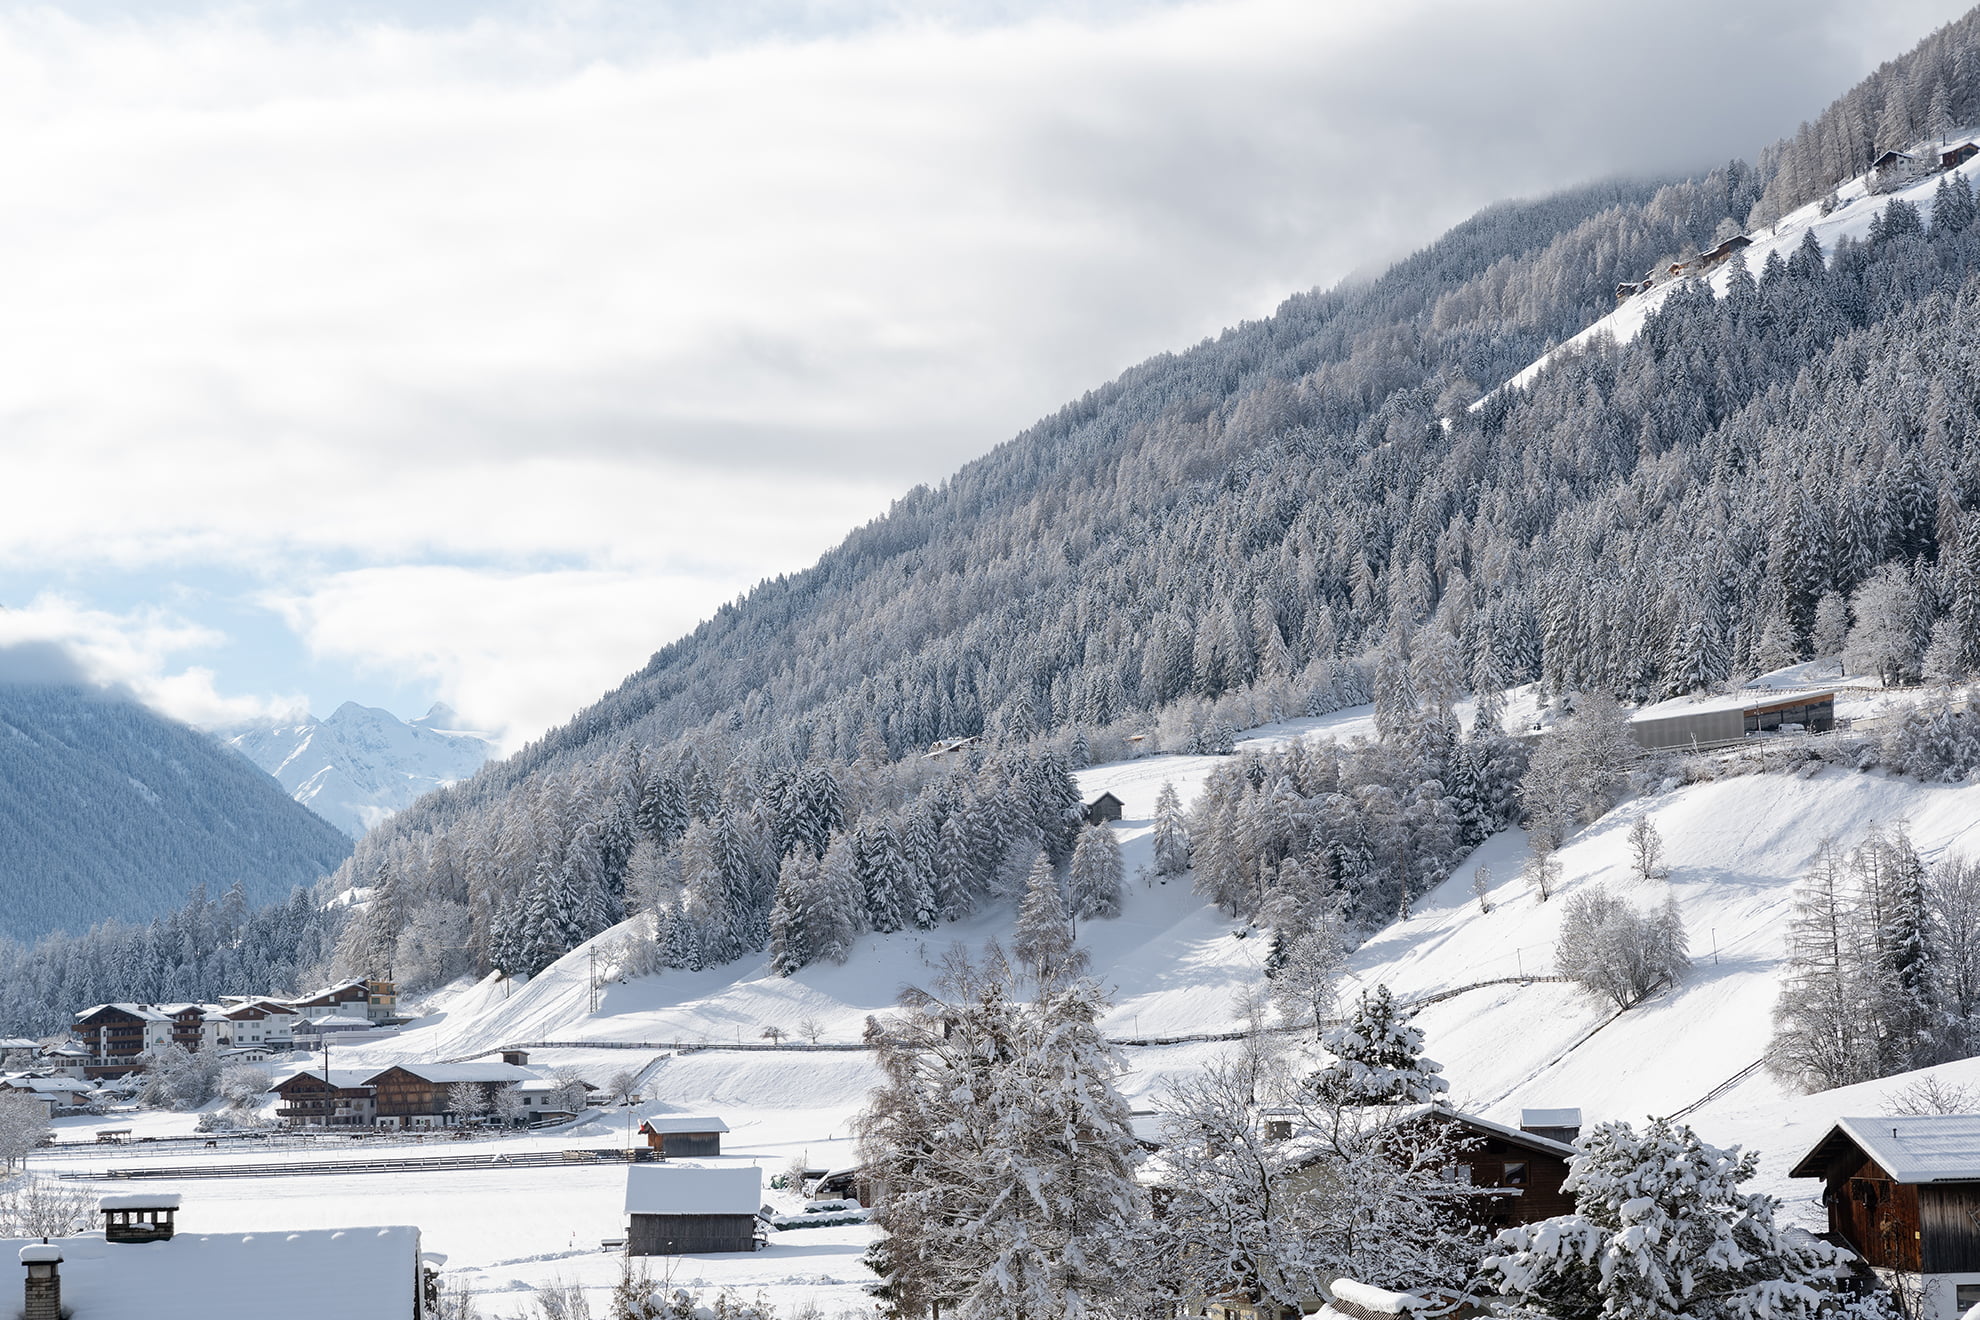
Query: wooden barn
[
  {"x": 1684, "y": 725},
  {"x": 1954, "y": 157},
  {"x": 1903, "y": 1192},
  {"x": 1102, "y": 809},
  {"x": 678, "y": 1211},
  {"x": 677, "y": 1136}
]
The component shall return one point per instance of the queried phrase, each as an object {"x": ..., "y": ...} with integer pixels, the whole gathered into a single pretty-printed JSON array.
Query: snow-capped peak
[{"x": 362, "y": 764}]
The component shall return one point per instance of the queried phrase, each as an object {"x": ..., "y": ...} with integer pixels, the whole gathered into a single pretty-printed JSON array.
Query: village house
[
  {"x": 1903, "y": 1193},
  {"x": 118, "y": 1036},
  {"x": 677, "y": 1136},
  {"x": 140, "y": 1267},
  {"x": 420, "y": 1095},
  {"x": 62, "y": 1095},
  {"x": 333, "y": 1097},
  {"x": 678, "y": 1211},
  {"x": 267, "y": 1023},
  {"x": 371, "y": 999}
]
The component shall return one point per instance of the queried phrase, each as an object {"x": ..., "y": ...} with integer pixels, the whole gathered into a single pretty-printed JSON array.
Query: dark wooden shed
[
  {"x": 1903, "y": 1192},
  {"x": 1102, "y": 809},
  {"x": 678, "y": 1136},
  {"x": 1954, "y": 157},
  {"x": 675, "y": 1211}
]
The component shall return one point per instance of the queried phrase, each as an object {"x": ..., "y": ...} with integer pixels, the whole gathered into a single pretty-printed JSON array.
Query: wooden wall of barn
[
  {"x": 1949, "y": 1229},
  {"x": 680, "y": 1145},
  {"x": 680, "y": 1235}
]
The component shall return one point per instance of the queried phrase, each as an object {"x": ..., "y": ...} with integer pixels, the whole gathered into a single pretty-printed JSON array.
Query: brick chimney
[
  {"x": 44, "y": 1281},
  {"x": 139, "y": 1216}
]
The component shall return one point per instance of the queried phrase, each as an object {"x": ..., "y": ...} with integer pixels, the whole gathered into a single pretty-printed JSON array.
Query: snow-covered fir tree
[
  {"x": 1377, "y": 1058},
  {"x": 1662, "y": 1231}
]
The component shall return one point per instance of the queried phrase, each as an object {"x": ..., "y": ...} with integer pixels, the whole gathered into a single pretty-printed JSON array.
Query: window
[
  {"x": 1965, "y": 1295},
  {"x": 1515, "y": 1173}
]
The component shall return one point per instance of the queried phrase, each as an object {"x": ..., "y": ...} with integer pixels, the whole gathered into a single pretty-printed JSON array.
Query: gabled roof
[
  {"x": 678, "y": 1189},
  {"x": 1550, "y": 1118},
  {"x": 449, "y": 1073},
  {"x": 1912, "y": 1148},
  {"x": 145, "y": 1011},
  {"x": 349, "y": 1274},
  {"x": 342, "y": 1078},
  {"x": 1532, "y": 1141},
  {"x": 665, "y": 1123}
]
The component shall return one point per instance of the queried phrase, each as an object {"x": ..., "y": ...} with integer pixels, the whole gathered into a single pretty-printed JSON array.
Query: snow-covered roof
[
  {"x": 1912, "y": 1148},
  {"x": 678, "y": 1189},
  {"x": 1379, "y": 1300},
  {"x": 145, "y": 1011},
  {"x": 665, "y": 1123},
  {"x": 350, "y": 1274},
  {"x": 345, "y": 1078},
  {"x": 47, "y": 1085},
  {"x": 18, "y": 1043},
  {"x": 449, "y": 1073},
  {"x": 341, "y": 1020},
  {"x": 139, "y": 1201},
  {"x": 1531, "y": 1140},
  {"x": 1550, "y": 1118}
]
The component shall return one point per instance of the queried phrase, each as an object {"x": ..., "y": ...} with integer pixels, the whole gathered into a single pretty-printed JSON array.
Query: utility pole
[{"x": 593, "y": 953}]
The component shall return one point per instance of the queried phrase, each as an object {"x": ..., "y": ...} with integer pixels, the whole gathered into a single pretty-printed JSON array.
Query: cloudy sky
[{"x": 444, "y": 350}]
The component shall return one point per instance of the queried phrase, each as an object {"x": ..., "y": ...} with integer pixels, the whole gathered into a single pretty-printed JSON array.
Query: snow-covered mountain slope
[
  {"x": 363, "y": 764},
  {"x": 110, "y": 810},
  {"x": 1850, "y": 218},
  {"x": 1736, "y": 848}
]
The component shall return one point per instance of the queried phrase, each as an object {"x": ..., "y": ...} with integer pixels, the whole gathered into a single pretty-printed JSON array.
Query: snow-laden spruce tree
[
  {"x": 1661, "y": 1231},
  {"x": 1171, "y": 833},
  {"x": 1094, "y": 876},
  {"x": 1042, "y": 938},
  {"x": 1003, "y": 1151},
  {"x": 1378, "y": 1058}
]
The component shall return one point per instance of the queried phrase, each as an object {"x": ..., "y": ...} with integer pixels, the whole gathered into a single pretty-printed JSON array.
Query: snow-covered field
[{"x": 1735, "y": 847}]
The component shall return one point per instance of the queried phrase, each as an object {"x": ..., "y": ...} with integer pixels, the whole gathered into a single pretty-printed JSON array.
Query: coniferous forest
[{"x": 1330, "y": 506}]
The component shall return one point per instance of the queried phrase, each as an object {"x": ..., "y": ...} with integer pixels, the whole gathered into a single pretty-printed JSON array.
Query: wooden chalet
[
  {"x": 420, "y": 1094},
  {"x": 1724, "y": 251},
  {"x": 1102, "y": 809},
  {"x": 1903, "y": 1193},
  {"x": 334, "y": 1097},
  {"x": 678, "y": 1211},
  {"x": 1510, "y": 1175},
  {"x": 678, "y": 1136},
  {"x": 1954, "y": 157}
]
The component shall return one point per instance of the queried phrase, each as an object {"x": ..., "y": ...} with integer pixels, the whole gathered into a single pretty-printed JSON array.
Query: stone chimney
[
  {"x": 139, "y": 1216},
  {"x": 44, "y": 1281}
]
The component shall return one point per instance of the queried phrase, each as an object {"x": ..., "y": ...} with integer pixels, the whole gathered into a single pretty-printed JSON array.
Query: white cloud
[
  {"x": 514, "y": 651},
  {"x": 652, "y": 322},
  {"x": 139, "y": 651}
]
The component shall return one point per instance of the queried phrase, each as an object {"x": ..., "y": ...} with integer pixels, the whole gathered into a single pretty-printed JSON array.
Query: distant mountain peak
[{"x": 364, "y": 764}]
